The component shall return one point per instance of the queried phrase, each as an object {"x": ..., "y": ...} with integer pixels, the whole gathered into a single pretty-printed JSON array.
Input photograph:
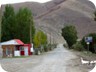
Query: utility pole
[
  {"x": 31, "y": 22},
  {"x": 53, "y": 40},
  {"x": 0, "y": 27},
  {"x": 50, "y": 40},
  {"x": 50, "y": 37},
  {"x": 30, "y": 33}
]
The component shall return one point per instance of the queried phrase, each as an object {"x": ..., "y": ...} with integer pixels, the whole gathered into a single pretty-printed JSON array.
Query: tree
[
  {"x": 36, "y": 40},
  {"x": 70, "y": 34},
  {"x": 95, "y": 15},
  {"x": 92, "y": 44},
  {"x": 43, "y": 38},
  {"x": 24, "y": 21},
  {"x": 17, "y": 26},
  {"x": 40, "y": 39},
  {"x": 8, "y": 23}
]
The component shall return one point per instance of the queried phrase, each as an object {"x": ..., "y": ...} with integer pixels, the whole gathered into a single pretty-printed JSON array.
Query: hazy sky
[{"x": 94, "y": 1}]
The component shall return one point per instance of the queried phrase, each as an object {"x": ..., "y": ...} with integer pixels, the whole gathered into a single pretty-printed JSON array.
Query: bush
[
  {"x": 54, "y": 45},
  {"x": 49, "y": 47},
  {"x": 46, "y": 48},
  {"x": 65, "y": 45},
  {"x": 37, "y": 51},
  {"x": 70, "y": 35},
  {"x": 92, "y": 44},
  {"x": 78, "y": 46}
]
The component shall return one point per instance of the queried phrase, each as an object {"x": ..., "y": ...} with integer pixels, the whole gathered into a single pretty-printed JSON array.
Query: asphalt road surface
[{"x": 57, "y": 60}]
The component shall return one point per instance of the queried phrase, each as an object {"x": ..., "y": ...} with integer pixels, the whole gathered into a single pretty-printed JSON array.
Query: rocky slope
[
  {"x": 76, "y": 12},
  {"x": 52, "y": 16}
]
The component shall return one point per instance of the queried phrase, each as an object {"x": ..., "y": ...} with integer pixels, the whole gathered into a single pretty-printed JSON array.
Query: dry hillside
[{"x": 52, "y": 16}]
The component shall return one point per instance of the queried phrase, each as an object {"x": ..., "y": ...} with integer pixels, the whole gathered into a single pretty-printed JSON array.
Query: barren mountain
[{"x": 53, "y": 15}]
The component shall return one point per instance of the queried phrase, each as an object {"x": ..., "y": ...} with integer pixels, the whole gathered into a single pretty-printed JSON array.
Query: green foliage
[
  {"x": 78, "y": 46},
  {"x": 8, "y": 23},
  {"x": 40, "y": 39},
  {"x": 43, "y": 38},
  {"x": 0, "y": 25},
  {"x": 91, "y": 46},
  {"x": 36, "y": 40},
  {"x": 95, "y": 15},
  {"x": 70, "y": 35},
  {"x": 65, "y": 45},
  {"x": 17, "y": 26},
  {"x": 45, "y": 47},
  {"x": 24, "y": 22}
]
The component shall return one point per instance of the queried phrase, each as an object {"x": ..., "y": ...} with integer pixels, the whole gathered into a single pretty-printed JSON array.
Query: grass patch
[{"x": 87, "y": 53}]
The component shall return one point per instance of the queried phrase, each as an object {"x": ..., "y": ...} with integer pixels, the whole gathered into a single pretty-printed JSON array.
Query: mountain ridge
[{"x": 52, "y": 16}]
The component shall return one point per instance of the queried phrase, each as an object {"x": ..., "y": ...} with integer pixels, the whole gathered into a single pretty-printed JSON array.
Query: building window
[
  {"x": 16, "y": 48},
  {"x": 22, "y": 48}
]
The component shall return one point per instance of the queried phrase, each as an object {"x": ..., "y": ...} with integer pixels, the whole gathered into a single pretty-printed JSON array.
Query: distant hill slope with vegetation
[{"x": 52, "y": 16}]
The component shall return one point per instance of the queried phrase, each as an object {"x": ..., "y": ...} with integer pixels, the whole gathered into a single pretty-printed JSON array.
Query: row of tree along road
[
  {"x": 87, "y": 43},
  {"x": 20, "y": 25}
]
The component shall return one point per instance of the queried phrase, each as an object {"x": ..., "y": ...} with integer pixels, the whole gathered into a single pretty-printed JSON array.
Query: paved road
[{"x": 53, "y": 61}]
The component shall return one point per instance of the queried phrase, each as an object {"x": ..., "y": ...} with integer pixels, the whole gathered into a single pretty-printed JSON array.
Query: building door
[
  {"x": 8, "y": 52},
  {"x": 26, "y": 51}
]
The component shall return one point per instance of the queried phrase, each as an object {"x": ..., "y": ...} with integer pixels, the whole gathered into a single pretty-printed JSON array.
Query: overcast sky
[{"x": 41, "y": 1}]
